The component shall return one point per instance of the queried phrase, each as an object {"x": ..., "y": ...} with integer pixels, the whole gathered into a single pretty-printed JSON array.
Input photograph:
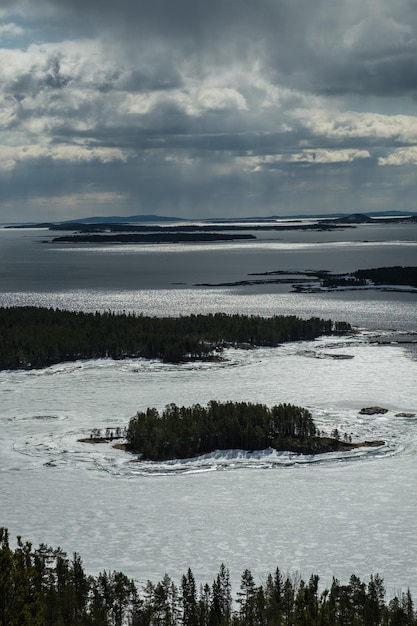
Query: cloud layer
[{"x": 206, "y": 109}]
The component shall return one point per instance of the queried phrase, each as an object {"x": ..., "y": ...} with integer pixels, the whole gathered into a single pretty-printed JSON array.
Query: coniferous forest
[
  {"x": 32, "y": 337},
  {"x": 389, "y": 275},
  {"x": 44, "y": 587},
  {"x": 184, "y": 432}
]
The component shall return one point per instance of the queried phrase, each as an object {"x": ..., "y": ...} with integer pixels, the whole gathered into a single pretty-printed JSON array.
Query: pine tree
[
  {"x": 189, "y": 599},
  {"x": 247, "y": 599}
]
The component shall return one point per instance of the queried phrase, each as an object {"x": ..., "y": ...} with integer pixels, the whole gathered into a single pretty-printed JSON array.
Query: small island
[{"x": 187, "y": 432}]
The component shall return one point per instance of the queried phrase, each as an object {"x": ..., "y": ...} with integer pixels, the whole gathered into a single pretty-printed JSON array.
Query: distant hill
[
  {"x": 362, "y": 218},
  {"x": 354, "y": 218},
  {"x": 305, "y": 216},
  {"x": 341, "y": 218},
  {"x": 119, "y": 219}
]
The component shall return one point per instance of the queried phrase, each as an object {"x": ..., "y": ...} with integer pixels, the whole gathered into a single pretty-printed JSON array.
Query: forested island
[
  {"x": 185, "y": 432},
  {"x": 180, "y": 233},
  {"x": 102, "y": 227},
  {"x": 154, "y": 237},
  {"x": 384, "y": 278},
  {"x": 44, "y": 587},
  {"x": 374, "y": 277},
  {"x": 192, "y": 228},
  {"x": 396, "y": 275},
  {"x": 36, "y": 337},
  {"x": 136, "y": 223}
]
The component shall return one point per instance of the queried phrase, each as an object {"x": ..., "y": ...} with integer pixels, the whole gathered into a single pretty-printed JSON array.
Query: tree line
[
  {"x": 33, "y": 337},
  {"x": 183, "y": 432},
  {"x": 44, "y": 587},
  {"x": 396, "y": 275},
  {"x": 156, "y": 237}
]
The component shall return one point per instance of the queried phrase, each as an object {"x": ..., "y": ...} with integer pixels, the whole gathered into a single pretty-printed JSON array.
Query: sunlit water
[{"x": 331, "y": 514}]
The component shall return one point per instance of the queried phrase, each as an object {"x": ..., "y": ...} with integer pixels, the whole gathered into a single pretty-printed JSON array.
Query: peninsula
[
  {"x": 393, "y": 278},
  {"x": 35, "y": 337}
]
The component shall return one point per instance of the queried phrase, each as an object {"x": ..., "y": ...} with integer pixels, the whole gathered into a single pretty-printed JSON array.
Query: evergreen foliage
[
  {"x": 158, "y": 237},
  {"x": 43, "y": 587},
  {"x": 183, "y": 432},
  {"x": 396, "y": 275},
  {"x": 32, "y": 337}
]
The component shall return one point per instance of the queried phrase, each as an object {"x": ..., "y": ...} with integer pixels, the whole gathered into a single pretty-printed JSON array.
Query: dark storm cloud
[
  {"x": 200, "y": 108},
  {"x": 177, "y": 20},
  {"x": 383, "y": 77},
  {"x": 350, "y": 46},
  {"x": 148, "y": 184}
]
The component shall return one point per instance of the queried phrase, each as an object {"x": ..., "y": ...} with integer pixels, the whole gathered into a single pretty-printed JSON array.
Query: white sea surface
[{"x": 333, "y": 515}]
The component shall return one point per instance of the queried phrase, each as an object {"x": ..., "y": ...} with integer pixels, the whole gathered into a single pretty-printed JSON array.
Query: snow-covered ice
[{"x": 333, "y": 514}]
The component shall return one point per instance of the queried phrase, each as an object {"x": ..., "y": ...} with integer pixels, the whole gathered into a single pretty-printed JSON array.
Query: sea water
[{"x": 333, "y": 515}]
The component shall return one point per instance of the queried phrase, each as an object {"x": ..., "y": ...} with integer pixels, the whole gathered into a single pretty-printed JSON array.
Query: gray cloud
[
  {"x": 205, "y": 108},
  {"x": 350, "y": 46}
]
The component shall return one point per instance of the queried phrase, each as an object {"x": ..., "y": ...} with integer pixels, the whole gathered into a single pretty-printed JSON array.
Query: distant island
[
  {"x": 118, "y": 232},
  {"x": 329, "y": 220},
  {"x": 184, "y": 233},
  {"x": 394, "y": 275},
  {"x": 104, "y": 228},
  {"x": 154, "y": 229},
  {"x": 383, "y": 278},
  {"x": 362, "y": 218},
  {"x": 158, "y": 237},
  {"x": 186, "y": 432},
  {"x": 35, "y": 337}
]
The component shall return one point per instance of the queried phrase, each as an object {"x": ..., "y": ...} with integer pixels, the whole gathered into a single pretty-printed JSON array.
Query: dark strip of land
[
  {"x": 314, "y": 280},
  {"x": 32, "y": 337},
  {"x": 159, "y": 237}
]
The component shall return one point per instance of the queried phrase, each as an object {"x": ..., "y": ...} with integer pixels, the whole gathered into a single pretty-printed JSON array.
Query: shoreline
[{"x": 328, "y": 445}]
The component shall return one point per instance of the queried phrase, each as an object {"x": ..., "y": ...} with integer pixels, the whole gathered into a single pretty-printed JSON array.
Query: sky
[{"x": 226, "y": 108}]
